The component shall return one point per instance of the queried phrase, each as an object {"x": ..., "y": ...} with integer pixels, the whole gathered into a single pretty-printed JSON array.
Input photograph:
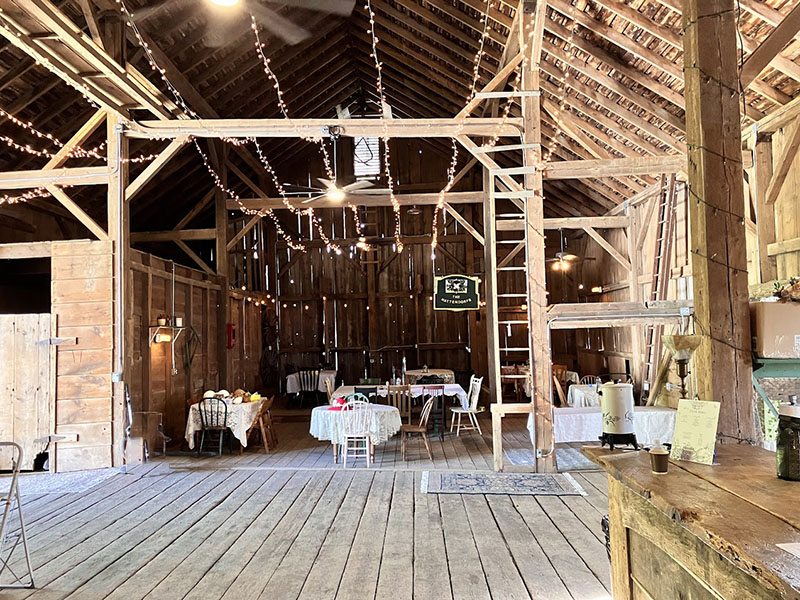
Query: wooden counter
[{"x": 701, "y": 532}]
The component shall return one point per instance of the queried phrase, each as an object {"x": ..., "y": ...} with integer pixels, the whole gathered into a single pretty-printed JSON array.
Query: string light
[
  {"x": 248, "y": 211},
  {"x": 29, "y": 195},
  {"x": 451, "y": 169},
  {"x": 284, "y": 109},
  {"x": 384, "y": 105}
]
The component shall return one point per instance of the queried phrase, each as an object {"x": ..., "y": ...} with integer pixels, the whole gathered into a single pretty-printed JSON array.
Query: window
[{"x": 367, "y": 158}]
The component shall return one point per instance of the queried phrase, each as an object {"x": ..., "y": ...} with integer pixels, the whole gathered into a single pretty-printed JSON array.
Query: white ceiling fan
[{"x": 229, "y": 19}]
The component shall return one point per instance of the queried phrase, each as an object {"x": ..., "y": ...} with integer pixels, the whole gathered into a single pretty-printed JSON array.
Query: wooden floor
[
  {"x": 469, "y": 451},
  {"x": 288, "y": 525}
]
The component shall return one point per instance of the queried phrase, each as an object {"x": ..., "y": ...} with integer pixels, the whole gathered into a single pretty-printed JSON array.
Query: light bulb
[
  {"x": 335, "y": 194},
  {"x": 225, "y": 2}
]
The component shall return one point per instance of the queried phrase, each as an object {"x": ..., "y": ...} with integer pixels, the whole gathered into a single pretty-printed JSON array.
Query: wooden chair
[
  {"x": 328, "y": 390},
  {"x": 357, "y": 418},
  {"x": 309, "y": 384},
  {"x": 400, "y": 397},
  {"x": 472, "y": 409},
  {"x": 560, "y": 373},
  {"x": 262, "y": 423},
  {"x": 214, "y": 420},
  {"x": 436, "y": 393},
  {"x": 422, "y": 429}
]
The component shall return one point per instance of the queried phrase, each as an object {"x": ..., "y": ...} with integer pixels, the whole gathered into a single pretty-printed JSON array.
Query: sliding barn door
[{"x": 26, "y": 403}]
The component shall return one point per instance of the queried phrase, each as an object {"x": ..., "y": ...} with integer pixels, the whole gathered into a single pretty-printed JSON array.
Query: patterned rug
[
  {"x": 59, "y": 483},
  {"x": 529, "y": 484}
]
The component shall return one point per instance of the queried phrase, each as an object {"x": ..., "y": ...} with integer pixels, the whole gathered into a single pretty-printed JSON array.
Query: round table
[
  {"x": 446, "y": 374},
  {"x": 328, "y": 425}
]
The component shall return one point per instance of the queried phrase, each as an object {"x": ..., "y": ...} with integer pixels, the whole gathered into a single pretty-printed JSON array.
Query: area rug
[
  {"x": 529, "y": 484},
  {"x": 59, "y": 483}
]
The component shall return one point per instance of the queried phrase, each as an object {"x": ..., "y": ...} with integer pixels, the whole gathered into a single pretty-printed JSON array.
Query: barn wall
[
  {"x": 787, "y": 209},
  {"x": 153, "y": 385},
  {"x": 400, "y": 321},
  {"x": 82, "y": 301}
]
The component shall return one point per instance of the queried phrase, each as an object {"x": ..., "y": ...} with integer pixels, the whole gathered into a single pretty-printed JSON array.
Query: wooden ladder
[
  {"x": 662, "y": 260},
  {"x": 513, "y": 335}
]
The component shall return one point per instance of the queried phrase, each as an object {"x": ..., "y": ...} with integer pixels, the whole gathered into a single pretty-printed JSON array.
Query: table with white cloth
[
  {"x": 240, "y": 418},
  {"x": 446, "y": 375},
  {"x": 650, "y": 423},
  {"x": 327, "y": 424},
  {"x": 573, "y": 377},
  {"x": 450, "y": 389},
  {"x": 293, "y": 382},
  {"x": 582, "y": 396}
]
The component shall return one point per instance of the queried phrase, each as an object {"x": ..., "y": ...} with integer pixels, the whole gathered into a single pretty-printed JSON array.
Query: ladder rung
[
  {"x": 513, "y": 322},
  {"x": 510, "y": 216},
  {"x": 512, "y": 268},
  {"x": 508, "y": 147},
  {"x": 509, "y": 241},
  {"x": 512, "y": 295},
  {"x": 513, "y": 376},
  {"x": 517, "y": 194},
  {"x": 514, "y": 349}
]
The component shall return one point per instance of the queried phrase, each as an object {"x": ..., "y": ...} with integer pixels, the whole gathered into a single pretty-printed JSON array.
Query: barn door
[{"x": 26, "y": 403}]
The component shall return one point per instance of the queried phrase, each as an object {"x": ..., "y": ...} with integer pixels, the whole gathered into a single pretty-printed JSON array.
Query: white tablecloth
[
  {"x": 582, "y": 396},
  {"x": 572, "y": 377},
  {"x": 651, "y": 423},
  {"x": 293, "y": 381},
  {"x": 327, "y": 424},
  {"x": 240, "y": 417},
  {"x": 450, "y": 389},
  {"x": 446, "y": 374}
]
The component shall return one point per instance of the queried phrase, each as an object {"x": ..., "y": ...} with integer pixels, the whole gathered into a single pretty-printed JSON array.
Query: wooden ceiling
[{"x": 623, "y": 90}]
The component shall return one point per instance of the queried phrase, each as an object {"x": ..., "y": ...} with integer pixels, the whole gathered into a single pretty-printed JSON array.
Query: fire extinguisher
[{"x": 230, "y": 329}]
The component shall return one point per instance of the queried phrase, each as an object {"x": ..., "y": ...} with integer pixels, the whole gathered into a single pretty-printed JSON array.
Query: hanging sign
[{"x": 455, "y": 292}]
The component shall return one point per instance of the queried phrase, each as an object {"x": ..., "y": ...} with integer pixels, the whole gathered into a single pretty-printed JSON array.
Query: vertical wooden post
[
  {"x": 635, "y": 289},
  {"x": 225, "y": 364},
  {"x": 716, "y": 209},
  {"x": 492, "y": 318},
  {"x": 119, "y": 232},
  {"x": 531, "y": 32},
  {"x": 760, "y": 176}
]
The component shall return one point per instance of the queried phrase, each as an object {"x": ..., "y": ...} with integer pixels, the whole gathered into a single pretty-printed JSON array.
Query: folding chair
[{"x": 10, "y": 541}]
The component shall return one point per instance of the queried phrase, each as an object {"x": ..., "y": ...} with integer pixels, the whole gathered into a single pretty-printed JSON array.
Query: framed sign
[{"x": 455, "y": 292}]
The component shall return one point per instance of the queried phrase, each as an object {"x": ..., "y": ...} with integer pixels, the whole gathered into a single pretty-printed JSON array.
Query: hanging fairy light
[
  {"x": 284, "y": 109},
  {"x": 24, "y": 197},
  {"x": 386, "y": 152},
  {"x": 248, "y": 211},
  {"x": 451, "y": 169}
]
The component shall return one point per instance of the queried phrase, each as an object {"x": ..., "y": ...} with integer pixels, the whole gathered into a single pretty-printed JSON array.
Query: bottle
[{"x": 788, "y": 446}]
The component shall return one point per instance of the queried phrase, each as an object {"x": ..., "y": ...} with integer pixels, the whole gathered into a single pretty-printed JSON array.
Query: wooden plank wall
[
  {"x": 153, "y": 386},
  {"x": 82, "y": 292},
  {"x": 25, "y": 385}
]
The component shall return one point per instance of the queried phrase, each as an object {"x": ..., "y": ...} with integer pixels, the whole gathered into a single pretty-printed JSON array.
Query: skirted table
[
  {"x": 240, "y": 418},
  {"x": 446, "y": 375},
  {"x": 327, "y": 424}
]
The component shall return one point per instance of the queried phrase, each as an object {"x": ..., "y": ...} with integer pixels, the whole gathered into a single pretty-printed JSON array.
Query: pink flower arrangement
[{"x": 338, "y": 404}]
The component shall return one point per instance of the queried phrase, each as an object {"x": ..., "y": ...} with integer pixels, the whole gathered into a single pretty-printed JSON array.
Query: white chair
[
  {"x": 356, "y": 420},
  {"x": 589, "y": 380},
  {"x": 472, "y": 409}
]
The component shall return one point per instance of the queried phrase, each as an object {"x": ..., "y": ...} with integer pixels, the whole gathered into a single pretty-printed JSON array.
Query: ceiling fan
[
  {"x": 330, "y": 190},
  {"x": 564, "y": 259},
  {"x": 228, "y": 19}
]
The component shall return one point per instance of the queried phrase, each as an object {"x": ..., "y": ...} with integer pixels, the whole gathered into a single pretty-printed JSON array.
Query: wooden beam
[
  {"x": 19, "y": 180},
  {"x": 569, "y": 223},
  {"x": 605, "y": 245},
  {"x": 783, "y": 163},
  {"x": 154, "y": 167},
  {"x": 615, "y": 167},
  {"x": 172, "y": 235},
  {"x": 243, "y": 231},
  {"x": 463, "y": 222},
  {"x": 83, "y": 134},
  {"x": 26, "y": 250},
  {"x": 760, "y": 176},
  {"x": 196, "y": 209},
  {"x": 423, "y": 199},
  {"x": 783, "y": 247},
  {"x": 78, "y": 212},
  {"x": 770, "y": 47},
  {"x": 195, "y": 257},
  {"x": 723, "y": 362},
  {"x": 301, "y": 128},
  {"x": 531, "y": 37}
]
